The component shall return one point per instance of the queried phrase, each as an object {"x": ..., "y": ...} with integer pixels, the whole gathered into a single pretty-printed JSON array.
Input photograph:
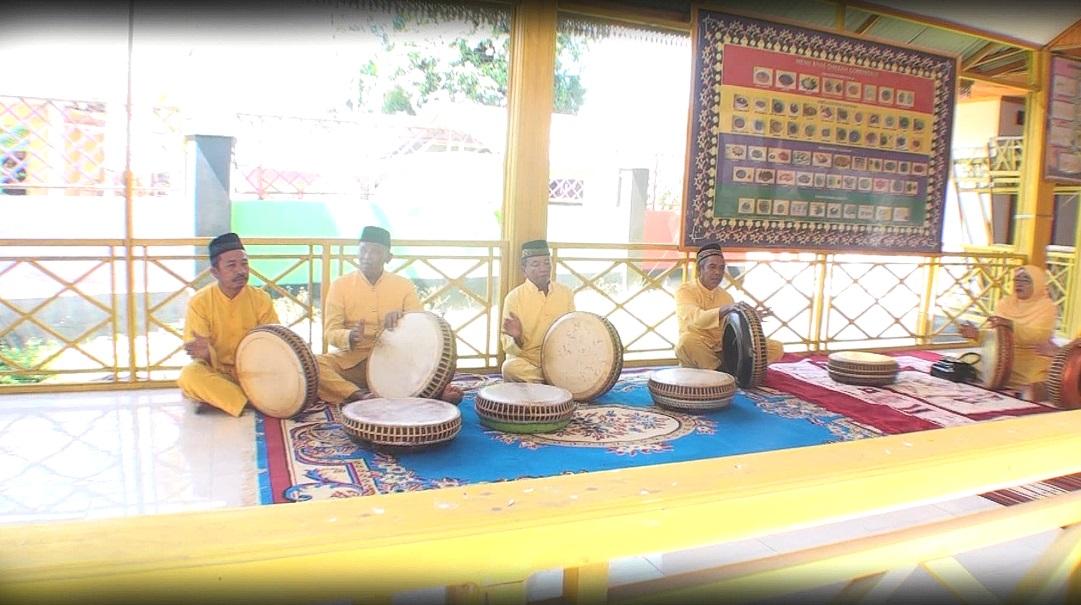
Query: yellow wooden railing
[{"x": 67, "y": 317}]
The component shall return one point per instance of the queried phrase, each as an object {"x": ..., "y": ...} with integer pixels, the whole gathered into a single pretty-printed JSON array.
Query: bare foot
[
  {"x": 451, "y": 394},
  {"x": 357, "y": 395}
]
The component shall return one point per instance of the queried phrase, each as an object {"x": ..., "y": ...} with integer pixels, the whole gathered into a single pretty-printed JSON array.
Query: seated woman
[{"x": 1032, "y": 314}]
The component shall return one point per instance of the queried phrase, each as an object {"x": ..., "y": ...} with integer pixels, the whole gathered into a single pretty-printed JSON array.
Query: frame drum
[
  {"x": 863, "y": 369},
  {"x": 582, "y": 353},
  {"x": 277, "y": 370},
  {"x": 415, "y": 359},
  {"x": 996, "y": 357},
  {"x": 743, "y": 346},
  {"x": 691, "y": 389},
  {"x": 519, "y": 407},
  {"x": 405, "y": 422},
  {"x": 1064, "y": 376}
]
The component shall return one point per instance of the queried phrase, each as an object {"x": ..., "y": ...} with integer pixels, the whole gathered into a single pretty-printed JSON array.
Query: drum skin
[
  {"x": 519, "y": 407},
  {"x": 408, "y": 422},
  {"x": 582, "y": 352},
  {"x": 996, "y": 356},
  {"x": 743, "y": 346},
  {"x": 277, "y": 371},
  {"x": 691, "y": 389},
  {"x": 1064, "y": 377},
  {"x": 415, "y": 359},
  {"x": 862, "y": 368}
]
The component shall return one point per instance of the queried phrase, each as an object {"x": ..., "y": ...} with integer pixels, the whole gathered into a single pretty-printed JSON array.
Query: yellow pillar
[
  {"x": 1032, "y": 223},
  {"x": 530, "y": 97},
  {"x": 1072, "y": 319}
]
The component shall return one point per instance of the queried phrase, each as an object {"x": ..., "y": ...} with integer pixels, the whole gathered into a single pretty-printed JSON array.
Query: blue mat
[{"x": 311, "y": 456}]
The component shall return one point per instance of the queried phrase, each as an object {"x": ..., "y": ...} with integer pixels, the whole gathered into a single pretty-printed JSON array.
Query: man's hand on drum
[
  {"x": 391, "y": 320},
  {"x": 356, "y": 333},
  {"x": 512, "y": 326},
  {"x": 198, "y": 348},
  {"x": 763, "y": 311},
  {"x": 968, "y": 330}
]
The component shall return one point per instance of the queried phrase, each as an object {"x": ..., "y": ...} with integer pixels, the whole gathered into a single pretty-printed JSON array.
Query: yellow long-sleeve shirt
[
  {"x": 537, "y": 313},
  {"x": 353, "y": 298},
  {"x": 225, "y": 321},
  {"x": 696, "y": 310}
]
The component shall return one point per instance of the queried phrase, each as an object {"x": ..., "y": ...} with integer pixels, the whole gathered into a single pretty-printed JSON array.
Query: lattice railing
[{"x": 1062, "y": 280}]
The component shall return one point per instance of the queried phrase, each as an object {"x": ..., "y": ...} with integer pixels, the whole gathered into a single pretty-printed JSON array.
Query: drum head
[
  {"x": 402, "y": 422},
  {"x": 415, "y": 359},
  {"x": 996, "y": 357},
  {"x": 1064, "y": 377},
  {"x": 277, "y": 371},
  {"x": 743, "y": 346},
  {"x": 582, "y": 353},
  {"x": 691, "y": 389}
]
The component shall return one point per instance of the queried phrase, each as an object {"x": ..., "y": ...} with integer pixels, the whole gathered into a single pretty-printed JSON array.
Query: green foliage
[{"x": 26, "y": 355}]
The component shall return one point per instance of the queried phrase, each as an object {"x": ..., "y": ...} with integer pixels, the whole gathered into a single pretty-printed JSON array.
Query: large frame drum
[
  {"x": 415, "y": 359},
  {"x": 691, "y": 389},
  {"x": 1064, "y": 377},
  {"x": 277, "y": 371},
  {"x": 743, "y": 346},
  {"x": 582, "y": 352},
  {"x": 519, "y": 407},
  {"x": 408, "y": 422},
  {"x": 996, "y": 356},
  {"x": 862, "y": 368}
]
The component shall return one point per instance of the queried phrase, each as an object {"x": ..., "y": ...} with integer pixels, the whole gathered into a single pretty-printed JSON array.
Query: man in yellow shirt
[
  {"x": 700, "y": 307},
  {"x": 357, "y": 306},
  {"x": 529, "y": 310},
  {"x": 218, "y": 317}
]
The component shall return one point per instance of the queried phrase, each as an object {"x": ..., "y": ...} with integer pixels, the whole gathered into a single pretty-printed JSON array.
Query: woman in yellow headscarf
[{"x": 1032, "y": 315}]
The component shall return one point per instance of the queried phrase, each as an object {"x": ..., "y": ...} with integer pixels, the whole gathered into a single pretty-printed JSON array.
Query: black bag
[{"x": 957, "y": 369}]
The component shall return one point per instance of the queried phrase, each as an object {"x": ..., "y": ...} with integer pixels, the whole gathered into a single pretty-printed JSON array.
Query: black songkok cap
[
  {"x": 224, "y": 243},
  {"x": 375, "y": 235},
  {"x": 709, "y": 250},
  {"x": 537, "y": 247}
]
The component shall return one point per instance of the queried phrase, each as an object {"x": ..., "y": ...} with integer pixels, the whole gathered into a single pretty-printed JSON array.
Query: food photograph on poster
[{"x": 812, "y": 119}]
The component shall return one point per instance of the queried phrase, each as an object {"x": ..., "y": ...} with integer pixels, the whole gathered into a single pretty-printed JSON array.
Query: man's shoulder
[
  {"x": 257, "y": 293},
  {"x": 398, "y": 280},
  {"x": 203, "y": 294}
]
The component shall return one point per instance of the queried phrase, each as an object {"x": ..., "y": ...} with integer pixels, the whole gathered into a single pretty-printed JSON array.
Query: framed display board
[
  {"x": 1063, "y": 159},
  {"x": 803, "y": 139}
]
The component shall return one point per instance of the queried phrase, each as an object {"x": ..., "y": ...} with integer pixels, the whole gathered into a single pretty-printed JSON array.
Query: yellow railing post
[
  {"x": 819, "y": 316},
  {"x": 925, "y": 327},
  {"x": 1036, "y": 204}
]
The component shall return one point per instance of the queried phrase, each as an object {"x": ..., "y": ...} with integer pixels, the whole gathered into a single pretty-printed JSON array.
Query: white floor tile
[{"x": 714, "y": 555}]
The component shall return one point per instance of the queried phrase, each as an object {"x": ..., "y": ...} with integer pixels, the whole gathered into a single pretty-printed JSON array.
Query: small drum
[
  {"x": 1064, "y": 377},
  {"x": 743, "y": 346},
  {"x": 518, "y": 407},
  {"x": 691, "y": 390},
  {"x": 415, "y": 359},
  {"x": 864, "y": 369},
  {"x": 277, "y": 371},
  {"x": 408, "y": 422},
  {"x": 582, "y": 353},
  {"x": 996, "y": 357}
]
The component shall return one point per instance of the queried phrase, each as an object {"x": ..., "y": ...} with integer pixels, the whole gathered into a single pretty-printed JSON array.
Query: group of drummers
[{"x": 368, "y": 304}]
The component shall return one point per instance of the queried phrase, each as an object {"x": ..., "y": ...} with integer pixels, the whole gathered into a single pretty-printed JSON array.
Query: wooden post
[{"x": 1032, "y": 223}]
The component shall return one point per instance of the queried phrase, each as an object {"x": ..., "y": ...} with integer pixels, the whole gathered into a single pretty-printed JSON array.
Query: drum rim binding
[
  {"x": 758, "y": 337},
  {"x": 442, "y": 431},
  {"x": 864, "y": 370},
  {"x": 511, "y": 413},
  {"x": 862, "y": 380},
  {"x": 699, "y": 393},
  {"x": 617, "y": 368},
  {"x": 1058, "y": 367},
  {"x": 307, "y": 360},
  {"x": 688, "y": 404}
]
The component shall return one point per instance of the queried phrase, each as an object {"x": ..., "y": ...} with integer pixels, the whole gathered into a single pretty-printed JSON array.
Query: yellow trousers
[
  {"x": 1028, "y": 367},
  {"x": 201, "y": 382},
  {"x": 337, "y": 382},
  {"x": 693, "y": 351},
  {"x": 519, "y": 369}
]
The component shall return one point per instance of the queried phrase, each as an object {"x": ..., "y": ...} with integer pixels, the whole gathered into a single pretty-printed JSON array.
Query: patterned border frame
[{"x": 711, "y": 31}]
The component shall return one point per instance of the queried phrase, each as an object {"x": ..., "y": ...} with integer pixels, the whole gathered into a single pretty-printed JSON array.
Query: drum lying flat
[
  {"x": 415, "y": 359},
  {"x": 861, "y": 363},
  {"x": 1064, "y": 377},
  {"x": 517, "y": 407},
  {"x": 582, "y": 353},
  {"x": 690, "y": 389},
  {"x": 276, "y": 370},
  {"x": 402, "y": 422}
]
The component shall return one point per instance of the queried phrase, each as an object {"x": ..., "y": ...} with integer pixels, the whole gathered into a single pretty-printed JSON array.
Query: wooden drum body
[
  {"x": 691, "y": 390},
  {"x": 518, "y": 407},
  {"x": 277, "y": 371},
  {"x": 1064, "y": 377},
  {"x": 415, "y": 359},
  {"x": 408, "y": 422},
  {"x": 996, "y": 357},
  {"x": 743, "y": 346},
  {"x": 864, "y": 369},
  {"x": 582, "y": 353}
]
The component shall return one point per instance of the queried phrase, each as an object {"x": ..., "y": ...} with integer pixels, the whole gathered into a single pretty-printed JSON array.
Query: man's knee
[{"x": 516, "y": 369}]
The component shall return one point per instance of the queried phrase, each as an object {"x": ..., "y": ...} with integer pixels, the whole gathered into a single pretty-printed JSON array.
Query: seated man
[
  {"x": 529, "y": 310},
  {"x": 218, "y": 317},
  {"x": 700, "y": 307},
  {"x": 358, "y": 305}
]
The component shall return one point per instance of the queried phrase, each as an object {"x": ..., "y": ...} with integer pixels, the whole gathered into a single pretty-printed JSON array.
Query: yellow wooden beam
[{"x": 1032, "y": 223}]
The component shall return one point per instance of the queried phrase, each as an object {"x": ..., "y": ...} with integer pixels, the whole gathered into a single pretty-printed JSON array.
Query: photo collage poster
[
  {"x": 802, "y": 139},
  {"x": 1063, "y": 160}
]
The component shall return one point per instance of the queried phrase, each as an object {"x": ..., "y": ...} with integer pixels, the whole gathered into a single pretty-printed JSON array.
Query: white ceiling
[{"x": 1036, "y": 21}]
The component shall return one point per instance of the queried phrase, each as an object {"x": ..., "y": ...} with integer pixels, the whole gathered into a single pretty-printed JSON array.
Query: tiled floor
[{"x": 116, "y": 453}]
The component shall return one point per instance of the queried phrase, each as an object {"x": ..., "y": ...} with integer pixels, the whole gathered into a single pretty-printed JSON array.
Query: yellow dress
[
  {"x": 1033, "y": 323},
  {"x": 224, "y": 321},
  {"x": 700, "y": 327},
  {"x": 537, "y": 313},
  {"x": 352, "y": 298}
]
